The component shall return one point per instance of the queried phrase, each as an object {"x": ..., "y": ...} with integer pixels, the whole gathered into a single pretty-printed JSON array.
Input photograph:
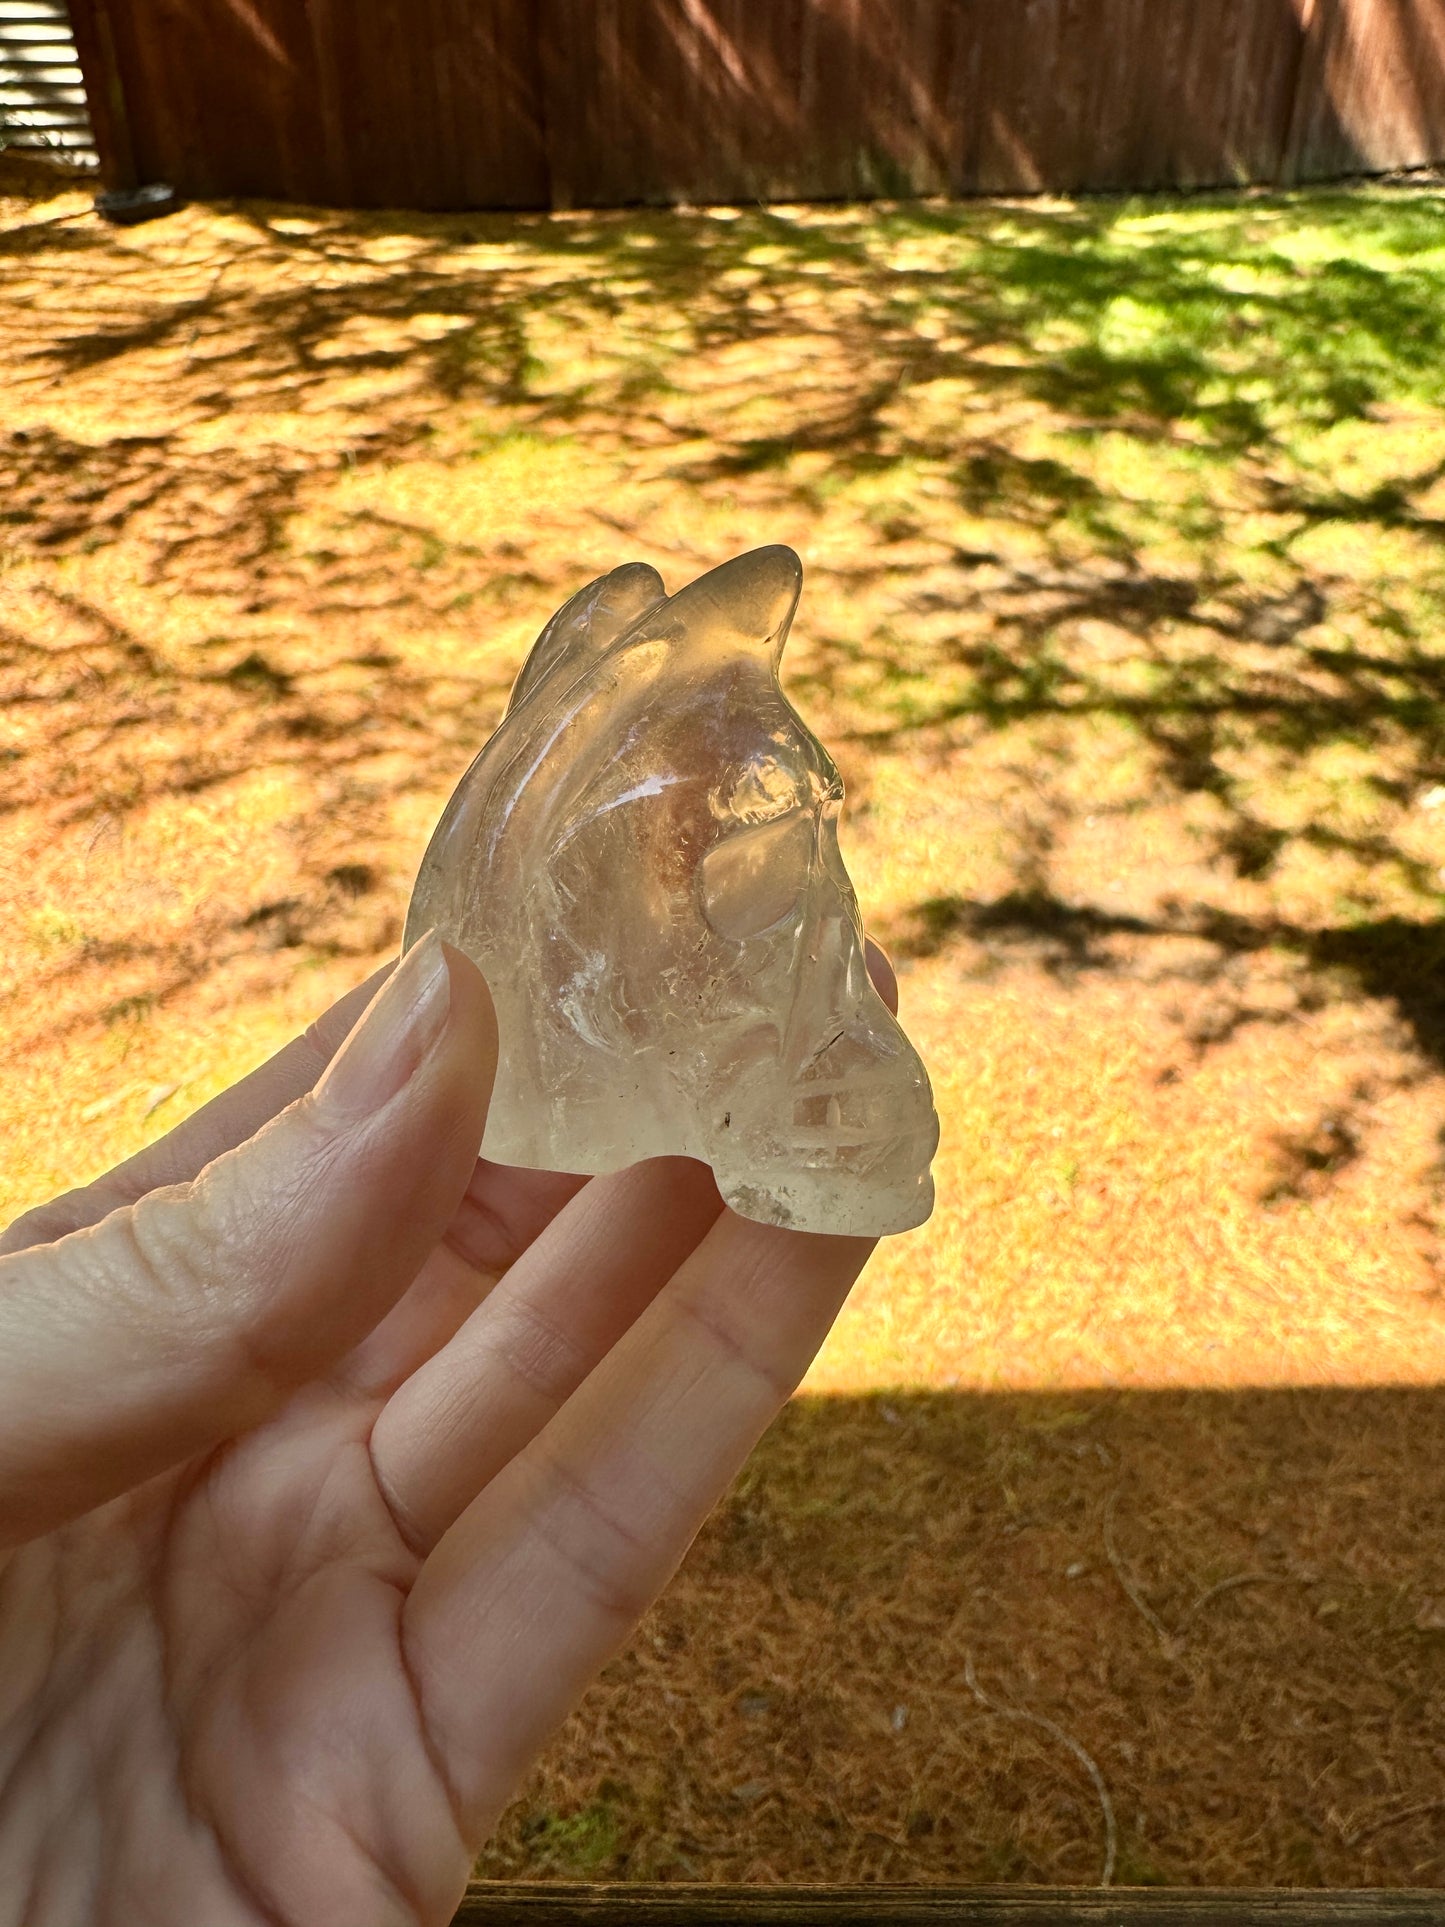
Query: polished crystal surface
[{"x": 644, "y": 863}]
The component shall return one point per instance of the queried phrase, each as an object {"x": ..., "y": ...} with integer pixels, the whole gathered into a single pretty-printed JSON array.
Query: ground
[{"x": 1110, "y": 1525}]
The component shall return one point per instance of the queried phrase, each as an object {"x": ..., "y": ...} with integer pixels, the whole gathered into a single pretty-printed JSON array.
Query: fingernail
[{"x": 400, "y": 1025}]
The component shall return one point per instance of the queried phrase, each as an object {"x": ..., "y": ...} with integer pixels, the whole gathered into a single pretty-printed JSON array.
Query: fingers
[
  {"x": 502, "y": 1211},
  {"x": 179, "y": 1321},
  {"x": 473, "y": 1403},
  {"x": 228, "y": 1119},
  {"x": 560, "y": 1308},
  {"x": 544, "y": 1575},
  {"x": 505, "y": 1208}
]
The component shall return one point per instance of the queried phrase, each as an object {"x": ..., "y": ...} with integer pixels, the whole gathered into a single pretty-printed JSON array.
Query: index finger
[
  {"x": 506, "y": 1207},
  {"x": 228, "y": 1120},
  {"x": 546, "y": 1573}
]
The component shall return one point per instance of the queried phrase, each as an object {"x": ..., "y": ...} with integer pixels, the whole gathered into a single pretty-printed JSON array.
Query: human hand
[{"x": 334, "y": 1464}]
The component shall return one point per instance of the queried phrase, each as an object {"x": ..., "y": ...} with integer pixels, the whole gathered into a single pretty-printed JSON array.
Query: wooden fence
[{"x": 567, "y": 103}]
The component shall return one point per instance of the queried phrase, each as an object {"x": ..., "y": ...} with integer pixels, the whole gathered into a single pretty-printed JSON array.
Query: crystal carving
[{"x": 643, "y": 861}]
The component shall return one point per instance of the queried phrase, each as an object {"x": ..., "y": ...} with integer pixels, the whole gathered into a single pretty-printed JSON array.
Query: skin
[{"x": 336, "y": 1462}]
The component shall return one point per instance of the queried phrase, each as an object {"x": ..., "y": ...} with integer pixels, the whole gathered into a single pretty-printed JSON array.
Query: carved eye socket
[{"x": 756, "y": 878}]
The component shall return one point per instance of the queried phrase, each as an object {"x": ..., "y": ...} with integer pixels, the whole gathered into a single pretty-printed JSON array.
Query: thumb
[{"x": 187, "y": 1317}]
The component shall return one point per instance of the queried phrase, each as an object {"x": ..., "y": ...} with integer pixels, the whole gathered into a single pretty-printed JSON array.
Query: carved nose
[{"x": 861, "y": 1084}]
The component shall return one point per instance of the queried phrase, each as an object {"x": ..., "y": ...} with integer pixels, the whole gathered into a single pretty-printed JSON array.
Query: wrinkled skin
[
  {"x": 644, "y": 862},
  {"x": 311, "y": 1530}
]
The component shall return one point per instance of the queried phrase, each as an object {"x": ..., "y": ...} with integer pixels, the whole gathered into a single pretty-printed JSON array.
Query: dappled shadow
[
  {"x": 1108, "y": 486},
  {"x": 1392, "y": 958},
  {"x": 918, "y": 1612}
]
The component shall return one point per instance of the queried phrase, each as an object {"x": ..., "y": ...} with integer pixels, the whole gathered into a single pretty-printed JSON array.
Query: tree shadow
[
  {"x": 1391, "y": 958},
  {"x": 1167, "y": 469},
  {"x": 918, "y": 1611}
]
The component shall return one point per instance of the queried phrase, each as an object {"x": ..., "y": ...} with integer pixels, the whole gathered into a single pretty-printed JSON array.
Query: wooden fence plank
[
  {"x": 700, "y": 100},
  {"x": 403, "y": 103},
  {"x": 1100, "y": 94},
  {"x": 104, "y": 90},
  {"x": 502, "y": 1904},
  {"x": 874, "y": 106},
  {"x": 673, "y": 100},
  {"x": 1372, "y": 88}
]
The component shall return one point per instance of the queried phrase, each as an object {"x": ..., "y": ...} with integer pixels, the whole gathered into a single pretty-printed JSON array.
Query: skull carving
[{"x": 644, "y": 863}]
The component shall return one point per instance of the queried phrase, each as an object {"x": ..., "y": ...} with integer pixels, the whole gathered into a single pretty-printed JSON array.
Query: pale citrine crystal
[{"x": 644, "y": 863}]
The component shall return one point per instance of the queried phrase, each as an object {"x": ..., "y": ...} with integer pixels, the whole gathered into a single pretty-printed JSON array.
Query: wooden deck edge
[{"x": 503, "y": 1903}]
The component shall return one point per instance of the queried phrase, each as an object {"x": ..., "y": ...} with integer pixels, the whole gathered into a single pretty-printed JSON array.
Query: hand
[{"x": 334, "y": 1463}]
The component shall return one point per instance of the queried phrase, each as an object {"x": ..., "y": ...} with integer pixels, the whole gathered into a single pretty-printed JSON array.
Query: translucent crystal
[{"x": 644, "y": 863}]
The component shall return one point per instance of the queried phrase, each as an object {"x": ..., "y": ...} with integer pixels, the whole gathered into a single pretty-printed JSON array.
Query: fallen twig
[
  {"x": 1168, "y": 1642},
  {"x": 1111, "y": 1832},
  {"x": 1228, "y": 1585}
]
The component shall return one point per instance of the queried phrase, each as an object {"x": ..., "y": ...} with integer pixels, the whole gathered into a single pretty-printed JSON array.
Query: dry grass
[
  {"x": 1124, "y": 584},
  {"x": 798, "y": 1706}
]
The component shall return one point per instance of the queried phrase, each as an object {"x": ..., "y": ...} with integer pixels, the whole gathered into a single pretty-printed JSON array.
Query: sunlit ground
[{"x": 1123, "y": 616}]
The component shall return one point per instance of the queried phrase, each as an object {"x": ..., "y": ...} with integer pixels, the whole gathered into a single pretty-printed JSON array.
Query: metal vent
[{"x": 42, "y": 94}]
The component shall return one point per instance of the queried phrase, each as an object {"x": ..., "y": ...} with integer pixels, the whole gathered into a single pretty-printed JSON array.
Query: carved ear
[
  {"x": 586, "y": 625},
  {"x": 743, "y": 607}
]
